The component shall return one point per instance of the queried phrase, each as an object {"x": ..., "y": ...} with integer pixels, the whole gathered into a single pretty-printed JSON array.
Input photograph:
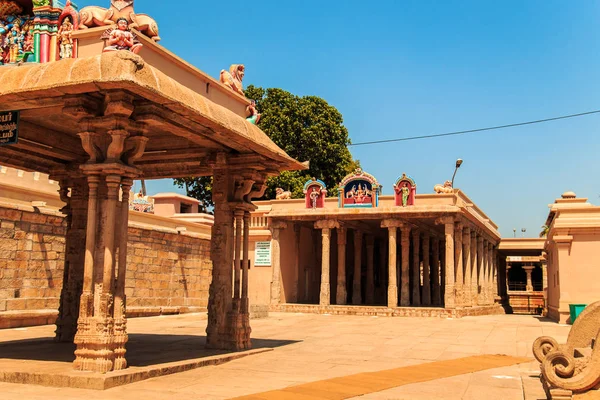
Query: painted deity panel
[
  {"x": 359, "y": 190},
  {"x": 16, "y": 39}
]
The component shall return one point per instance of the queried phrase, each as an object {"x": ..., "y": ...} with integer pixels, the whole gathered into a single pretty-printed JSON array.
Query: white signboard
[{"x": 262, "y": 254}]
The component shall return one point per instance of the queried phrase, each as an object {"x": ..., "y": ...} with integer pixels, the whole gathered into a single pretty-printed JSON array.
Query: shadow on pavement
[{"x": 142, "y": 349}]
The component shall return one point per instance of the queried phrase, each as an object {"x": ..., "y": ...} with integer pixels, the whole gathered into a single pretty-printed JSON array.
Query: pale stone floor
[{"x": 316, "y": 347}]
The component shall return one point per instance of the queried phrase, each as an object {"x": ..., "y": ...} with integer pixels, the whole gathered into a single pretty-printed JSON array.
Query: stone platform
[
  {"x": 382, "y": 311},
  {"x": 157, "y": 346}
]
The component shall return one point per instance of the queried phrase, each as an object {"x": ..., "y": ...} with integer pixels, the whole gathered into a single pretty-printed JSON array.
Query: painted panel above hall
[{"x": 359, "y": 190}]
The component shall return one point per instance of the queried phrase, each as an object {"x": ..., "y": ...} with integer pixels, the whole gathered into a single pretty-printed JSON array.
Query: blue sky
[{"x": 406, "y": 68}]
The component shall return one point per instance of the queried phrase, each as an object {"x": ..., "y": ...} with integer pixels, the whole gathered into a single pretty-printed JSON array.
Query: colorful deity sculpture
[
  {"x": 359, "y": 190},
  {"x": 405, "y": 191},
  {"x": 15, "y": 40},
  {"x": 121, "y": 38},
  {"x": 233, "y": 79},
  {"x": 252, "y": 113},
  {"x": 65, "y": 39},
  {"x": 315, "y": 193}
]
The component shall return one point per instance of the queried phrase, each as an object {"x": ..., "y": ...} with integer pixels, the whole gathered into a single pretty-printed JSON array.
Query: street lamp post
[{"x": 458, "y": 164}]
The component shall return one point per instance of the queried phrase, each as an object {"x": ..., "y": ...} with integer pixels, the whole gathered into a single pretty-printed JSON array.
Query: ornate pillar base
[
  {"x": 237, "y": 335},
  {"x": 100, "y": 347}
]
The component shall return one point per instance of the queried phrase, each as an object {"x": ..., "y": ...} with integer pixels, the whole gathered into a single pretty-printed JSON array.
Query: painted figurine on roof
[
  {"x": 29, "y": 30},
  {"x": 359, "y": 190},
  {"x": 233, "y": 79},
  {"x": 65, "y": 39},
  {"x": 315, "y": 193},
  {"x": 93, "y": 16},
  {"x": 121, "y": 38},
  {"x": 405, "y": 191},
  {"x": 252, "y": 113}
]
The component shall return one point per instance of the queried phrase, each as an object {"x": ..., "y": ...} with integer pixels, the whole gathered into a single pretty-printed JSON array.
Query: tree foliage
[{"x": 308, "y": 129}]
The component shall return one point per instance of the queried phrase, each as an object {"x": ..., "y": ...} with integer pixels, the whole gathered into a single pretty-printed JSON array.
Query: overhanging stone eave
[{"x": 29, "y": 85}]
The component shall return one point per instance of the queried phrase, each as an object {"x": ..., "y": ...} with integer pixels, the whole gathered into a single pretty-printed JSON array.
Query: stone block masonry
[{"x": 167, "y": 272}]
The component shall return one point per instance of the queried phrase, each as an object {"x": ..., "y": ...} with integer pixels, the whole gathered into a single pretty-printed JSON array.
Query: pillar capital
[
  {"x": 341, "y": 235},
  {"x": 393, "y": 223},
  {"x": 445, "y": 220},
  {"x": 327, "y": 224},
  {"x": 466, "y": 231},
  {"x": 416, "y": 233},
  {"x": 277, "y": 224}
]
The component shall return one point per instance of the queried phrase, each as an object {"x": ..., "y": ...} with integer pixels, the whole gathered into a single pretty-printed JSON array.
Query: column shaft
[
  {"x": 481, "y": 271},
  {"x": 370, "y": 289},
  {"x": 276, "y": 254},
  {"x": 466, "y": 295},
  {"x": 449, "y": 289},
  {"x": 416, "y": 268},
  {"x": 237, "y": 263},
  {"x": 435, "y": 273},
  {"x": 405, "y": 285},
  {"x": 340, "y": 293},
  {"x": 458, "y": 264},
  {"x": 325, "y": 295},
  {"x": 356, "y": 286},
  {"x": 473, "y": 278},
  {"x": 426, "y": 272},
  {"x": 392, "y": 277}
]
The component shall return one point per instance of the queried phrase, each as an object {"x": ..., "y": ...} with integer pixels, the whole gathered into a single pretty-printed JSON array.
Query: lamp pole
[
  {"x": 514, "y": 232},
  {"x": 523, "y": 230},
  {"x": 458, "y": 164}
]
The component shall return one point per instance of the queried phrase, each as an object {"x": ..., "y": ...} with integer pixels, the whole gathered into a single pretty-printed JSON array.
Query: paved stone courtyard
[{"x": 309, "y": 348}]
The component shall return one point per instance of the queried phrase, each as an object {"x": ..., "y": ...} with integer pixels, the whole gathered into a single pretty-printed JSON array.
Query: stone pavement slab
[{"x": 317, "y": 347}]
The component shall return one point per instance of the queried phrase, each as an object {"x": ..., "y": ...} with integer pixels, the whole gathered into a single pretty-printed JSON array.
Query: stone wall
[{"x": 168, "y": 270}]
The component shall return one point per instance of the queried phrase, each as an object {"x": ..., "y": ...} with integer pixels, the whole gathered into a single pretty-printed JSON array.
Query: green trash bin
[{"x": 575, "y": 310}]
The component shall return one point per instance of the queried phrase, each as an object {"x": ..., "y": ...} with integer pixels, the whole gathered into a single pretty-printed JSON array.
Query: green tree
[{"x": 308, "y": 129}]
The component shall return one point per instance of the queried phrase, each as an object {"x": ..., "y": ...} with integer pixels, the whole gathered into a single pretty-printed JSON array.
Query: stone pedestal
[{"x": 529, "y": 269}]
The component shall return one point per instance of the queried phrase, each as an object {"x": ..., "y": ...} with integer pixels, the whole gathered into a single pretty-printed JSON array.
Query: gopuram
[
  {"x": 364, "y": 253},
  {"x": 88, "y": 97}
]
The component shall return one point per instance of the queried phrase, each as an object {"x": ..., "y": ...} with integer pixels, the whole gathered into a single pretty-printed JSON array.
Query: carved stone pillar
[
  {"x": 416, "y": 268},
  {"x": 221, "y": 252},
  {"x": 435, "y": 273},
  {"x": 237, "y": 258},
  {"x": 340, "y": 293},
  {"x": 466, "y": 295},
  {"x": 370, "y": 289},
  {"x": 246, "y": 263},
  {"x": 113, "y": 143},
  {"x": 120, "y": 298},
  {"x": 472, "y": 292},
  {"x": 426, "y": 269},
  {"x": 356, "y": 283},
  {"x": 326, "y": 226},
  {"x": 495, "y": 291},
  {"x": 404, "y": 279},
  {"x": 458, "y": 263},
  {"x": 392, "y": 297},
  {"x": 76, "y": 218},
  {"x": 449, "y": 278},
  {"x": 481, "y": 269},
  {"x": 276, "y": 227},
  {"x": 490, "y": 274},
  {"x": 296, "y": 272}
]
